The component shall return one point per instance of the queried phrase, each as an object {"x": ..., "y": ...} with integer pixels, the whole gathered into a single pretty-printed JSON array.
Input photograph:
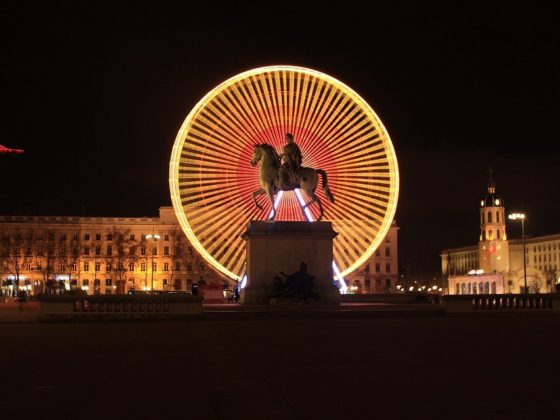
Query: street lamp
[
  {"x": 154, "y": 237},
  {"x": 521, "y": 216}
]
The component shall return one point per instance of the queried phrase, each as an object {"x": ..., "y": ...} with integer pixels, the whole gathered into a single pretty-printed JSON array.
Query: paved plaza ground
[{"x": 504, "y": 367}]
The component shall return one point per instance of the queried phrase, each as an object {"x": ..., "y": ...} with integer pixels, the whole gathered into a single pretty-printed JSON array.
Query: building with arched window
[{"x": 495, "y": 265}]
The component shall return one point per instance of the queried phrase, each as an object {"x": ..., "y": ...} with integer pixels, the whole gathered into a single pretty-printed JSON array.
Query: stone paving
[{"x": 296, "y": 368}]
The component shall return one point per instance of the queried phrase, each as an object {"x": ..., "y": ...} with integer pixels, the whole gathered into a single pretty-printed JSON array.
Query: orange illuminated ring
[{"x": 211, "y": 180}]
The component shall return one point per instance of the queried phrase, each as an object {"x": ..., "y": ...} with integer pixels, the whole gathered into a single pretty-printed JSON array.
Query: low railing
[
  {"x": 518, "y": 302},
  {"x": 119, "y": 306},
  {"x": 391, "y": 298}
]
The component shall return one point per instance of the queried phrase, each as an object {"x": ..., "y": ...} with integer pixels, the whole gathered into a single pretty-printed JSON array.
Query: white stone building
[{"x": 495, "y": 265}]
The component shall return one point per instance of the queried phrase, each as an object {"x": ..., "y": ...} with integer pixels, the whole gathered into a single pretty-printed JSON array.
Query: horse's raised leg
[
  {"x": 260, "y": 191},
  {"x": 314, "y": 199}
]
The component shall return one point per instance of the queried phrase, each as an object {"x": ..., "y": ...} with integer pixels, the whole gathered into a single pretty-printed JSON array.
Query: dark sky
[{"x": 96, "y": 95}]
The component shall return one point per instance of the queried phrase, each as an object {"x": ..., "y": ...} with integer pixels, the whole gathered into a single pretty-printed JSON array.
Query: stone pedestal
[{"x": 273, "y": 247}]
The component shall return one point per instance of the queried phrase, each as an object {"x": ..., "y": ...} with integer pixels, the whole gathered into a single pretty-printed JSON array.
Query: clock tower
[{"x": 493, "y": 247}]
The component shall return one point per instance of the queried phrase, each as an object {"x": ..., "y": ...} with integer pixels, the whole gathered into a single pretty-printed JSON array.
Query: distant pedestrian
[
  {"x": 236, "y": 293},
  {"x": 22, "y": 297}
]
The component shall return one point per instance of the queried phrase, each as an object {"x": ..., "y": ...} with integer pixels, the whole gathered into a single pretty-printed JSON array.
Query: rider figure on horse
[{"x": 291, "y": 154}]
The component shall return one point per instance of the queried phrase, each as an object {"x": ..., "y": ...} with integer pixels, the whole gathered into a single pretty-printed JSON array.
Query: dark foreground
[{"x": 445, "y": 368}]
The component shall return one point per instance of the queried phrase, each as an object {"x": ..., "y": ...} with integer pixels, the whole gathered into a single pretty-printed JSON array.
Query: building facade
[
  {"x": 101, "y": 255},
  {"x": 106, "y": 255},
  {"x": 495, "y": 264},
  {"x": 380, "y": 273}
]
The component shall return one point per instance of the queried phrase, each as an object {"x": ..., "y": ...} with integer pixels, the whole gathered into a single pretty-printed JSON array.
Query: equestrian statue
[{"x": 285, "y": 173}]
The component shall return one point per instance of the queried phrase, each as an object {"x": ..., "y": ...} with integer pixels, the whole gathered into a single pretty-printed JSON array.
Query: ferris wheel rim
[{"x": 187, "y": 123}]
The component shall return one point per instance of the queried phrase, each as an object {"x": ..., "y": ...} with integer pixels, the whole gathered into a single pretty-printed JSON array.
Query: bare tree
[
  {"x": 74, "y": 252},
  {"x": 173, "y": 256},
  {"x": 123, "y": 255},
  {"x": 16, "y": 253},
  {"x": 45, "y": 256}
]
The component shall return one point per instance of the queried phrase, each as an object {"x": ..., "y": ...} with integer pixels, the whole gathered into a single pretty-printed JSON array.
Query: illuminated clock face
[{"x": 212, "y": 182}]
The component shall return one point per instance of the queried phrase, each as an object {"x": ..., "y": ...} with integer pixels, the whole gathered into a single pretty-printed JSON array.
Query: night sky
[{"x": 96, "y": 96}]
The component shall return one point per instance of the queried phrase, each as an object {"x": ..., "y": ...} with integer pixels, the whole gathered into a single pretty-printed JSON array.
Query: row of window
[
  {"x": 387, "y": 252},
  {"x": 475, "y": 288},
  {"x": 551, "y": 247},
  {"x": 488, "y": 235},
  {"x": 109, "y": 267},
  {"x": 378, "y": 268},
  {"x": 542, "y": 257},
  {"x": 489, "y": 217},
  {"x": 109, "y": 282},
  {"x": 86, "y": 251},
  {"x": 86, "y": 237}
]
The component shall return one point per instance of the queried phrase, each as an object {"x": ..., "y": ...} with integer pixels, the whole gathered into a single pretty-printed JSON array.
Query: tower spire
[{"x": 491, "y": 183}]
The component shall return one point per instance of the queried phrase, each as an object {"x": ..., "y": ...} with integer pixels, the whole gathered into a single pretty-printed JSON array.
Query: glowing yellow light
[
  {"x": 211, "y": 182},
  {"x": 497, "y": 202},
  {"x": 517, "y": 216}
]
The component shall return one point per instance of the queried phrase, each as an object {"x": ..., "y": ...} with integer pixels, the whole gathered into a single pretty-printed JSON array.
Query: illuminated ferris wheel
[{"x": 212, "y": 182}]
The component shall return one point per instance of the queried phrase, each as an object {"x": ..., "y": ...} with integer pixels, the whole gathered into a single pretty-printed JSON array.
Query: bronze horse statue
[{"x": 271, "y": 182}]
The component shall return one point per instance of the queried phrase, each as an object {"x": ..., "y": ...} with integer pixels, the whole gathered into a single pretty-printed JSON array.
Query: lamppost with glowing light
[
  {"x": 154, "y": 237},
  {"x": 521, "y": 216}
]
